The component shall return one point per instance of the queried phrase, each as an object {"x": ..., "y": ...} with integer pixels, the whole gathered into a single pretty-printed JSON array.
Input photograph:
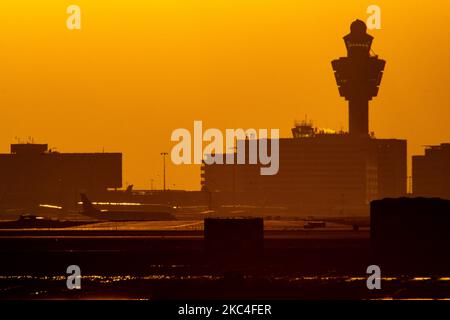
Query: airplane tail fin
[
  {"x": 129, "y": 189},
  {"x": 88, "y": 207}
]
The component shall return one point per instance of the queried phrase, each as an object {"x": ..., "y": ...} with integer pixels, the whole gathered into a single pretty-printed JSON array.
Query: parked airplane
[{"x": 146, "y": 213}]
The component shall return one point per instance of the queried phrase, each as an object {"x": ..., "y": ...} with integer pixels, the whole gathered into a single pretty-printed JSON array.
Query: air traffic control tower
[{"x": 358, "y": 76}]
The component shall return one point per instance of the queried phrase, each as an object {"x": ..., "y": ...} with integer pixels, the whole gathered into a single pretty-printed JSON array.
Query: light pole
[{"x": 164, "y": 154}]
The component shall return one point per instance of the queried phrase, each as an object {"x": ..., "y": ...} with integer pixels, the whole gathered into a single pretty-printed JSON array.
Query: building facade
[
  {"x": 322, "y": 173},
  {"x": 31, "y": 175}
]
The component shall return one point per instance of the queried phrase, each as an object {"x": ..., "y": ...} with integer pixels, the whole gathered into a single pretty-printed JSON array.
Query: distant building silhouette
[
  {"x": 431, "y": 172},
  {"x": 234, "y": 236},
  {"x": 32, "y": 174},
  {"x": 329, "y": 173},
  {"x": 321, "y": 172}
]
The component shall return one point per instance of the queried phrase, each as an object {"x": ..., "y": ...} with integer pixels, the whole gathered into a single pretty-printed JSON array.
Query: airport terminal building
[
  {"x": 431, "y": 172},
  {"x": 32, "y": 174},
  {"x": 326, "y": 173}
]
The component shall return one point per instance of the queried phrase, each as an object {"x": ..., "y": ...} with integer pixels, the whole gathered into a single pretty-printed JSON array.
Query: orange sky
[{"x": 139, "y": 69}]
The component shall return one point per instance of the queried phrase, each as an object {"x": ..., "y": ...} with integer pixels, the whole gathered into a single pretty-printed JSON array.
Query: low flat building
[
  {"x": 319, "y": 173},
  {"x": 431, "y": 172}
]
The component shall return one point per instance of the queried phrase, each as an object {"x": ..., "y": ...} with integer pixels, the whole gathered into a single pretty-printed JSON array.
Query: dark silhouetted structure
[
  {"x": 411, "y": 227},
  {"x": 431, "y": 172},
  {"x": 358, "y": 76},
  {"x": 234, "y": 236},
  {"x": 319, "y": 173},
  {"x": 32, "y": 174},
  {"x": 322, "y": 172}
]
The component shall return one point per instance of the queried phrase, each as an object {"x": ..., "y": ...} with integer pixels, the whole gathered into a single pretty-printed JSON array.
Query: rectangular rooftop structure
[
  {"x": 319, "y": 173},
  {"x": 28, "y": 148}
]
